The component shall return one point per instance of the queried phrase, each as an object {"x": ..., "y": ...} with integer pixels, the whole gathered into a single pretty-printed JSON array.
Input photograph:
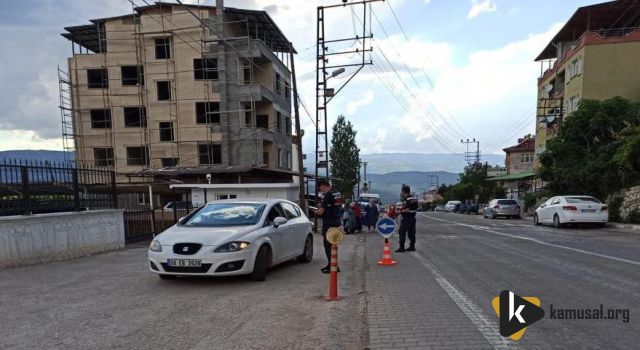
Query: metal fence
[
  {"x": 142, "y": 224},
  {"x": 33, "y": 187}
]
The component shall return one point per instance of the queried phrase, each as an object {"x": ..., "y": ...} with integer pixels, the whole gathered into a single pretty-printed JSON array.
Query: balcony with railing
[{"x": 591, "y": 37}]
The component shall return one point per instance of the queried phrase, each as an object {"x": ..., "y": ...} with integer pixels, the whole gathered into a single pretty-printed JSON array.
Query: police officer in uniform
[
  {"x": 329, "y": 211},
  {"x": 408, "y": 223}
]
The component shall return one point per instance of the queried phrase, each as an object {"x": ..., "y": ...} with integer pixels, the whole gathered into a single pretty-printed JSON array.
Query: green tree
[
  {"x": 596, "y": 151},
  {"x": 344, "y": 157}
]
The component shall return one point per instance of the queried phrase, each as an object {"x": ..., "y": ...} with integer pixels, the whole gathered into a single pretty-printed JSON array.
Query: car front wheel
[
  {"x": 307, "y": 253},
  {"x": 259, "y": 273},
  {"x": 536, "y": 220}
]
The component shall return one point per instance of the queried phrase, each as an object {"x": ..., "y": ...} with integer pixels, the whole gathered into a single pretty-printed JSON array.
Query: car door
[
  {"x": 296, "y": 230},
  {"x": 278, "y": 235},
  {"x": 545, "y": 214}
]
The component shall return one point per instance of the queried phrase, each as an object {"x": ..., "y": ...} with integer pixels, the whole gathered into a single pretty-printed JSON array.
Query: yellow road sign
[{"x": 335, "y": 235}]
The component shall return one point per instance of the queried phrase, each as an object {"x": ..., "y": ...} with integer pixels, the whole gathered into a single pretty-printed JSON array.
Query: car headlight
[
  {"x": 155, "y": 246},
  {"x": 232, "y": 247}
]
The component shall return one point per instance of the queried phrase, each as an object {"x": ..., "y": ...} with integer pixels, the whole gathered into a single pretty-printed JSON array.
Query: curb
[{"x": 624, "y": 226}]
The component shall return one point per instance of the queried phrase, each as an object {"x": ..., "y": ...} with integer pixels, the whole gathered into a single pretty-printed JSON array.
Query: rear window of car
[
  {"x": 581, "y": 200},
  {"x": 507, "y": 202}
]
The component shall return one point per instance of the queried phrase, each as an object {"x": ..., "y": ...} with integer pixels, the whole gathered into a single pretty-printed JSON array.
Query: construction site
[{"x": 170, "y": 93}]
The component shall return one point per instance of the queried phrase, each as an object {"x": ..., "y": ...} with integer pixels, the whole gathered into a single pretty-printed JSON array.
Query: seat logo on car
[{"x": 185, "y": 249}]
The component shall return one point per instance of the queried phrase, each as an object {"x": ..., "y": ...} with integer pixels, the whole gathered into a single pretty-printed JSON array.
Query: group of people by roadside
[{"x": 355, "y": 217}]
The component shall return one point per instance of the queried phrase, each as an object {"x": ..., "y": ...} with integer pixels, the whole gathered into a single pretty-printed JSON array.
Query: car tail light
[
  {"x": 496, "y": 207},
  {"x": 604, "y": 208},
  {"x": 569, "y": 207}
]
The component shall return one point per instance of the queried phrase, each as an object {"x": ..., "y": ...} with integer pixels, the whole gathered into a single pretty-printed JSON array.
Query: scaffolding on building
[{"x": 199, "y": 36}]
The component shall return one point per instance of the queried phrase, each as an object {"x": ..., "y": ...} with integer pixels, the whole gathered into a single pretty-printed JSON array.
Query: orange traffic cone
[{"x": 386, "y": 255}]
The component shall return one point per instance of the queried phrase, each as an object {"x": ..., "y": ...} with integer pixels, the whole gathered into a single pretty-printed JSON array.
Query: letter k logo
[{"x": 523, "y": 312}]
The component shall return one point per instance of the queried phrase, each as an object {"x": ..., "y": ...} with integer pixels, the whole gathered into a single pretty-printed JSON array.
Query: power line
[{"x": 463, "y": 131}]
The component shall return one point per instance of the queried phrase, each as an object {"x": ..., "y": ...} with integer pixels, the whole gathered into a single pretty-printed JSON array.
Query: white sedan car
[
  {"x": 233, "y": 237},
  {"x": 562, "y": 210}
]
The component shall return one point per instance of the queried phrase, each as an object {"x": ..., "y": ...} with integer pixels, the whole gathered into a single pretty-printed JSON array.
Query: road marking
[
  {"x": 475, "y": 227},
  {"x": 487, "y": 328}
]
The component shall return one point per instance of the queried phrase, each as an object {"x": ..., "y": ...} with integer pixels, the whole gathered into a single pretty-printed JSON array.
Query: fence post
[
  {"x": 26, "y": 189},
  {"x": 76, "y": 190},
  {"x": 114, "y": 193},
  {"x": 175, "y": 204}
]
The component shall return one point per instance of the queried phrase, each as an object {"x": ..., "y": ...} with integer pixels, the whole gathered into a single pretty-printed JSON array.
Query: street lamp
[{"x": 337, "y": 72}]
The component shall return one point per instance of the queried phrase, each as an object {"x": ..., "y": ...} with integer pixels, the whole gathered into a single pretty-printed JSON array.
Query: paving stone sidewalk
[{"x": 407, "y": 308}]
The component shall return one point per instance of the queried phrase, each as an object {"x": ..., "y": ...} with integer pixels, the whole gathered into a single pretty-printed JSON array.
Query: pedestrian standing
[
  {"x": 391, "y": 211},
  {"x": 357, "y": 213},
  {"x": 329, "y": 212},
  {"x": 346, "y": 212},
  {"x": 408, "y": 222},
  {"x": 371, "y": 214}
]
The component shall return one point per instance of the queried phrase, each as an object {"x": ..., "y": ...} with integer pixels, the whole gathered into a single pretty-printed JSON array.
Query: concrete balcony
[{"x": 259, "y": 93}]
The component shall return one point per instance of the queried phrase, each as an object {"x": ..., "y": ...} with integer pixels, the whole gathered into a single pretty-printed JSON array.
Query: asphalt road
[
  {"x": 436, "y": 298},
  {"x": 440, "y": 296},
  {"x": 112, "y": 301}
]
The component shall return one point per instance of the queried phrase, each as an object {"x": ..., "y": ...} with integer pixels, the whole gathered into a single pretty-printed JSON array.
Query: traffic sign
[{"x": 386, "y": 227}]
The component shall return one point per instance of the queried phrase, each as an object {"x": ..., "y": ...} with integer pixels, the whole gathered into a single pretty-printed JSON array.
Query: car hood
[{"x": 208, "y": 236}]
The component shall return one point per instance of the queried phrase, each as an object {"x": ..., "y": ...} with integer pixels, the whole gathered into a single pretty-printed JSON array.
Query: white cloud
[
  {"x": 481, "y": 6},
  {"x": 27, "y": 139},
  {"x": 364, "y": 100},
  {"x": 486, "y": 94}
]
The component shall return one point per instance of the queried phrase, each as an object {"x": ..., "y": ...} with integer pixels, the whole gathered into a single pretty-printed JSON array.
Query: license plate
[
  {"x": 588, "y": 210},
  {"x": 184, "y": 263}
]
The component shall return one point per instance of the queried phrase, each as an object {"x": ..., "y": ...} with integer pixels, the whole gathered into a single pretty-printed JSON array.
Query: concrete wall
[{"x": 58, "y": 236}]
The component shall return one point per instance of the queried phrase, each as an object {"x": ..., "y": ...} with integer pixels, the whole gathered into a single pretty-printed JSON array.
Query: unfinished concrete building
[{"x": 173, "y": 92}]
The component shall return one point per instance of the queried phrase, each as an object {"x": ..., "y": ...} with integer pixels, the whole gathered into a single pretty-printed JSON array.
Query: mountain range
[
  {"x": 386, "y": 172},
  {"x": 383, "y": 163}
]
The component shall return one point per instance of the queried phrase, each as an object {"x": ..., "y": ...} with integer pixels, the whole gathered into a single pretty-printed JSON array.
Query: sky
[{"x": 449, "y": 70}]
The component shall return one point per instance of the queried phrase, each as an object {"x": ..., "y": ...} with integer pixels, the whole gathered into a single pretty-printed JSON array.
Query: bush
[
  {"x": 614, "y": 209},
  {"x": 529, "y": 201},
  {"x": 633, "y": 217}
]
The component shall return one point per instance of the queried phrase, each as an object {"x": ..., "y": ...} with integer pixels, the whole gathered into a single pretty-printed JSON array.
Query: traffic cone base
[{"x": 386, "y": 255}]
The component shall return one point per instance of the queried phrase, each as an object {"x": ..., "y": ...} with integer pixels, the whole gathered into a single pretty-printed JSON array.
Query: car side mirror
[
  {"x": 279, "y": 221},
  {"x": 542, "y": 206}
]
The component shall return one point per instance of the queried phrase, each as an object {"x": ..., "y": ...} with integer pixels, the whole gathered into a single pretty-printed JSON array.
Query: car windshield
[
  {"x": 226, "y": 214},
  {"x": 582, "y": 200},
  {"x": 507, "y": 202}
]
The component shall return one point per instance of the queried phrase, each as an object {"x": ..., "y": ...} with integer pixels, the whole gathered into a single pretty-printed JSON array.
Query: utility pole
[
  {"x": 471, "y": 156},
  {"x": 324, "y": 94},
  {"x": 431, "y": 178},
  {"x": 365, "y": 170},
  {"x": 299, "y": 134}
]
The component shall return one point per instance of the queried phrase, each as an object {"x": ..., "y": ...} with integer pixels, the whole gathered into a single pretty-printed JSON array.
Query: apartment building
[
  {"x": 594, "y": 56},
  {"x": 172, "y": 92}
]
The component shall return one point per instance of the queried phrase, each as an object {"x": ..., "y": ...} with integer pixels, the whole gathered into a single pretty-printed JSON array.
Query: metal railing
[{"x": 34, "y": 187}]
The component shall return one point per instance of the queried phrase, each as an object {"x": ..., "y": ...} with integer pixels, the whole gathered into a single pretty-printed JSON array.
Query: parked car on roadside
[
  {"x": 233, "y": 237},
  {"x": 507, "y": 208},
  {"x": 469, "y": 208},
  {"x": 452, "y": 206},
  {"x": 561, "y": 210},
  {"x": 440, "y": 208}
]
